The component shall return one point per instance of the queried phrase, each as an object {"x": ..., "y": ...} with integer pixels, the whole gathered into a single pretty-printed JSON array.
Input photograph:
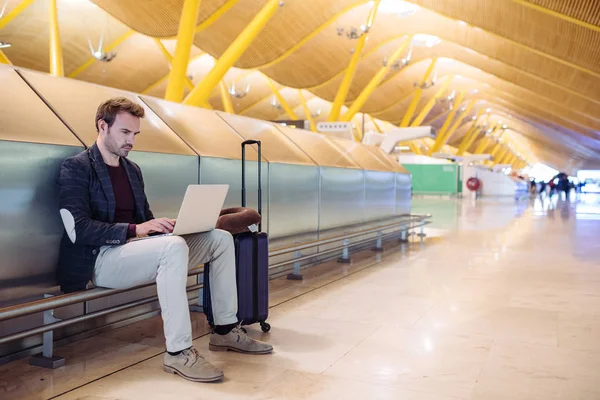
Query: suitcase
[{"x": 251, "y": 264}]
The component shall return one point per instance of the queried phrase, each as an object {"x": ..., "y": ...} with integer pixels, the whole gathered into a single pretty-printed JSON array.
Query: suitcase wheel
[{"x": 265, "y": 327}]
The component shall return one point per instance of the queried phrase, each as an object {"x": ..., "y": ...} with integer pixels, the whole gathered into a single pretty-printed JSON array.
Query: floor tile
[{"x": 440, "y": 364}]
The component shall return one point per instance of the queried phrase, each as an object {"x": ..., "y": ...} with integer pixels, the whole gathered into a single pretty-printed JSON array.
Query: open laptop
[{"x": 199, "y": 210}]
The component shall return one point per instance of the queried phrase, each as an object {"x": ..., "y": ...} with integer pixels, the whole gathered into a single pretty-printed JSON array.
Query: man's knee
[
  {"x": 176, "y": 246},
  {"x": 221, "y": 239}
]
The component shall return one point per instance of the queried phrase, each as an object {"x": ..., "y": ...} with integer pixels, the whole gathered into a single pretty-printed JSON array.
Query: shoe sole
[
  {"x": 213, "y": 347},
  {"x": 189, "y": 378}
]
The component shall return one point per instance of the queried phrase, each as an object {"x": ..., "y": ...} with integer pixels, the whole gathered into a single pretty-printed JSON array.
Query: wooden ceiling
[{"x": 537, "y": 61}]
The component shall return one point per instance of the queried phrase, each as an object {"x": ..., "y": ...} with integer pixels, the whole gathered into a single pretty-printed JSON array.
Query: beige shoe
[
  {"x": 237, "y": 340},
  {"x": 190, "y": 365}
]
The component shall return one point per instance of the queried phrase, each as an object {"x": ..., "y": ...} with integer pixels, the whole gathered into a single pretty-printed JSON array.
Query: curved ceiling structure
[{"x": 534, "y": 63}]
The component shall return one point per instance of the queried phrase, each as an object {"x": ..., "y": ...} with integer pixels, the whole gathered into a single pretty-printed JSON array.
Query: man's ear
[{"x": 101, "y": 125}]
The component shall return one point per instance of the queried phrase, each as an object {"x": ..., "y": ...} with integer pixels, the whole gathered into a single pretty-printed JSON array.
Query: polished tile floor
[{"x": 505, "y": 306}]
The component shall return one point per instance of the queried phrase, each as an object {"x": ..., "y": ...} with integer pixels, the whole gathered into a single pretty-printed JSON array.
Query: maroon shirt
[{"x": 125, "y": 202}]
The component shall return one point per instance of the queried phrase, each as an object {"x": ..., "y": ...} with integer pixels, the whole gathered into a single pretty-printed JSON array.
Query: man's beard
[{"x": 122, "y": 151}]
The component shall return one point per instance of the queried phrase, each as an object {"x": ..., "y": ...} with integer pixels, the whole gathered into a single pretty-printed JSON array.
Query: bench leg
[
  {"x": 379, "y": 245},
  {"x": 345, "y": 258},
  {"x": 296, "y": 275},
  {"x": 422, "y": 234},
  {"x": 46, "y": 359},
  {"x": 404, "y": 237}
]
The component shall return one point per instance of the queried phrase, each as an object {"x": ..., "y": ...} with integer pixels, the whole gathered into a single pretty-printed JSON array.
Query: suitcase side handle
[{"x": 244, "y": 144}]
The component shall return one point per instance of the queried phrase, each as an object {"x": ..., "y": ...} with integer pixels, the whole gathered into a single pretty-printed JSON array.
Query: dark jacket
[{"x": 86, "y": 191}]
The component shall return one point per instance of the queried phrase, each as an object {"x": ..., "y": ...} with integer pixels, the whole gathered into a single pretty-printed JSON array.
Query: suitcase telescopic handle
[{"x": 244, "y": 144}]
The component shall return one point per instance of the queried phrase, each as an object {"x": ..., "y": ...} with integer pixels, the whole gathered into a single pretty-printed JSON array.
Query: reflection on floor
[{"x": 506, "y": 306}]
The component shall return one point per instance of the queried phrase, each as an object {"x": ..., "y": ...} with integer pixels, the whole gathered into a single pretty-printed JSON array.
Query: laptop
[{"x": 199, "y": 210}]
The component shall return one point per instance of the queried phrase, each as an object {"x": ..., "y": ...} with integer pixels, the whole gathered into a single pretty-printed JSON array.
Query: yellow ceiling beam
[
  {"x": 21, "y": 6},
  {"x": 470, "y": 135},
  {"x": 211, "y": 19},
  {"x": 485, "y": 141},
  {"x": 342, "y": 92},
  {"x": 56, "y": 58},
  {"x": 200, "y": 94},
  {"x": 431, "y": 103},
  {"x": 531, "y": 49},
  {"x": 417, "y": 96},
  {"x": 506, "y": 156},
  {"x": 313, "y": 33},
  {"x": 92, "y": 60},
  {"x": 456, "y": 123},
  {"x": 4, "y": 59},
  {"x": 558, "y": 15},
  {"x": 504, "y": 65},
  {"x": 225, "y": 7},
  {"x": 500, "y": 156},
  {"x": 375, "y": 123},
  {"x": 215, "y": 16},
  {"x": 164, "y": 78},
  {"x": 307, "y": 113},
  {"x": 374, "y": 83},
  {"x": 286, "y": 106},
  {"x": 183, "y": 49},
  {"x": 439, "y": 140},
  {"x": 188, "y": 82},
  {"x": 225, "y": 98}
]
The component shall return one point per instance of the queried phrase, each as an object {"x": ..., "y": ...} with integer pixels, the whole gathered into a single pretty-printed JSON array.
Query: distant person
[
  {"x": 103, "y": 193},
  {"x": 551, "y": 186},
  {"x": 542, "y": 187},
  {"x": 563, "y": 184}
]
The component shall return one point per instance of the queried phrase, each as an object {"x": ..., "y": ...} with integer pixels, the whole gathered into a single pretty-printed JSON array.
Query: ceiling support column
[
  {"x": 225, "y": 98},
  {"x": 469, "y": 136},
  {"x": 200, "y": 94},
  {"x": 439, "y": 140},
  {"x": 417, "y": 96},
  {"x": 374, "y": 83},
  {"x": 183, "y": 49},
  {"x": 56, "y": 58},
  {"x": 286, "y": 106},
  {"x": 342, "y": 92},
  {"x": 425, "y": 111},
  {"x": 308, "y": 115}
]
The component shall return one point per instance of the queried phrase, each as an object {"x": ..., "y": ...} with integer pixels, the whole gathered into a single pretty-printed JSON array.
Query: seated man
[{"x": 103, "y": 192}]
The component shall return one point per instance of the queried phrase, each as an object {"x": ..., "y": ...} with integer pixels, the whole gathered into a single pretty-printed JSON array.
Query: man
[{"x": 102, "y": 198}]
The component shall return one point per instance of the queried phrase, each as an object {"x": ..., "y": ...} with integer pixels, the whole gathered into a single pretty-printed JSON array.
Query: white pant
[{"x": 166, "y": 260}]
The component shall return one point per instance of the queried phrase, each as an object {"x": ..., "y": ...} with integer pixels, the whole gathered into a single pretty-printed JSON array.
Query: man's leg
[
  {"x": 164, "y": 260},
  {"x": 217, "y": 248}
]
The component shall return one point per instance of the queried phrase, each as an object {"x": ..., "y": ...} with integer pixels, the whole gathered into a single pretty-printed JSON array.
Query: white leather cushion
[{"x": 69, "y": 223}]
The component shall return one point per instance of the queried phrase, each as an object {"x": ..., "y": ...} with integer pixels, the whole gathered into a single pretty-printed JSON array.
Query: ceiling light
[
  {"x": 424, "y": 40},
  {"x": 400, "y": 8},
  {"x": 487, "y": 110},
  {"x": 4, "y": 45},
  {"x": 462, "y": 23}
]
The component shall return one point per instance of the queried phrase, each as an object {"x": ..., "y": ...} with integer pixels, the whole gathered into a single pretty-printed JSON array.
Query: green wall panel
[{"x": 434, "y": 178}]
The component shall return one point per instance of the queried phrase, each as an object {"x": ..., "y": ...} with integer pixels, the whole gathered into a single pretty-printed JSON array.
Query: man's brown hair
[{"x": 109, "y": 110}]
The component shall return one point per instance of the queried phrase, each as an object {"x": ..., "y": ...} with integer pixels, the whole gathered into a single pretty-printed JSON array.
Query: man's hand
[{"x": 158, "y": 225}]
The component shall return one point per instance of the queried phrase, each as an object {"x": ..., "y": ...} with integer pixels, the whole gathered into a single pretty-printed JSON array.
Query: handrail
[
  {"x": 23, "y": 309},
  {"x": 85, "y": 317},
  {"x": 63, "y": 300},
  {"x": 322, "y": 242},
  {"x": 338, "y": 248}
]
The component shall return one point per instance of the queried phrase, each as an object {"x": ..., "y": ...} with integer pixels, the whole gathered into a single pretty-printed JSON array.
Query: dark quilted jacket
[{"x": 85, "y": 189}]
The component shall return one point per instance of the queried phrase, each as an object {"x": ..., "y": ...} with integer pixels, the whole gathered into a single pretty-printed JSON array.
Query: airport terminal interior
[{"x": 426, "y": 174}]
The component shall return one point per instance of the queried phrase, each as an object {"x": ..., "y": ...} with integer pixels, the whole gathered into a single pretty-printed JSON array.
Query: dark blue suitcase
[{"x": 251, "y": 264}]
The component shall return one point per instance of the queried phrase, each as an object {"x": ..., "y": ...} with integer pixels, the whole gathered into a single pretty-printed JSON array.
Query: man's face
[{"x": 120, "y": 137}]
